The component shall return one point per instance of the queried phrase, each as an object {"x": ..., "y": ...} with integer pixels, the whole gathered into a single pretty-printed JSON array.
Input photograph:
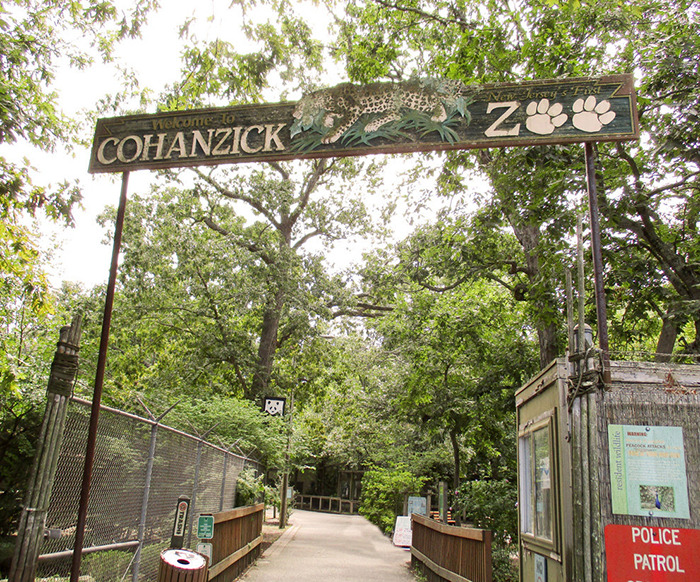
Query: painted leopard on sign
[{"x": 337, "y": 109}]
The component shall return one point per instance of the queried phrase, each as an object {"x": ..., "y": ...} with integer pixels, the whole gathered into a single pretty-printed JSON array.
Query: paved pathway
[{"x": 329, "y": 547}]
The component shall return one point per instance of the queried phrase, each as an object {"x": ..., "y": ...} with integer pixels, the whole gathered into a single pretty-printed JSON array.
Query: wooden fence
[
  {"x": 237, "y": 541},
  {"x": 456, "y": 554},
  {"x": 325, "y": 503}
]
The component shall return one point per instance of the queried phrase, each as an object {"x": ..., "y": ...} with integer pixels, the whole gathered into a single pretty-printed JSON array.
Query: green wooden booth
[{"x": 609, "y": 474}]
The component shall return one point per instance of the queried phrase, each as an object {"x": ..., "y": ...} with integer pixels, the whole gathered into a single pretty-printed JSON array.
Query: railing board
[{"x": 450, "y": 553}]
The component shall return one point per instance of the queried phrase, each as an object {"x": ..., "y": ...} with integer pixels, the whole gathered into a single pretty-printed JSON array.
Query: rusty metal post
[
  {"x": 99, "y": 381},
  {"x": 601, "y": 308}
]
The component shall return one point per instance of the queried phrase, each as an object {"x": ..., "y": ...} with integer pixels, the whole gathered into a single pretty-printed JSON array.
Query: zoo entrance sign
[{"x": 351, "y": 120}]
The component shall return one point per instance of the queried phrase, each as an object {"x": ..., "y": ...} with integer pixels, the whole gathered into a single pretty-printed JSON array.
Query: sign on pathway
[{"x": 352, "y": 120}]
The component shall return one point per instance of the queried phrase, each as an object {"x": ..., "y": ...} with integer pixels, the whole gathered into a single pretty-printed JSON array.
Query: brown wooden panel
[{"x": 353, "y": 120}]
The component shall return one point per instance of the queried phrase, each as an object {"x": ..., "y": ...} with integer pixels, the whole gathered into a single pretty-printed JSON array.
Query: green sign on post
[{"x": 205, "y": 527}]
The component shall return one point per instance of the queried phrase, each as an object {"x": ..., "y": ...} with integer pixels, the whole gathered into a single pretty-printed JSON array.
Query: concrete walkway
[{"x": 331, "y": 547}]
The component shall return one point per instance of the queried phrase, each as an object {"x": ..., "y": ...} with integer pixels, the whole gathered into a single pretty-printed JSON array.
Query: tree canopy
[{"x": 406, "y": 361}]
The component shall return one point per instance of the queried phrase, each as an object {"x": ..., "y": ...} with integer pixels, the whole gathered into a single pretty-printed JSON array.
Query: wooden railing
[
  {"x": 325, "y": 503},
  {"x": 457, "y": 554},
  {"x": 237, "y": 541}
]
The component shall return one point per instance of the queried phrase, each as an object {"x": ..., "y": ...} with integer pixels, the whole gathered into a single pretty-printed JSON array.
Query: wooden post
[{"x": 30, "y": 533}]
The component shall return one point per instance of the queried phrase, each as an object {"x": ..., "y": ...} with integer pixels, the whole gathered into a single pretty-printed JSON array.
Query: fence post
[
  {"x": 193, "y": 506},
  {"x": 223, "y": 483},
  {"x": 30, "y": 532},
  {"x": 147, "y": 487},
  {"x": 144, "y": 503}
]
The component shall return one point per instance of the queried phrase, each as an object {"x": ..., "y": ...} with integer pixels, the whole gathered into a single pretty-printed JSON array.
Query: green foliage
[
  {"x": 504, "y": 564},
  {"x": 647, "y": 190},
  {"x": 236, "y": 423},
  {"x": 249, "y": 487},
  {"x": 19, "y": 427},
  {"x": 107, "y": 566},
  {"x": 491, "y": 505},
  {"x": 383, "y": 491},
  {"x": 34, "y": 36}
]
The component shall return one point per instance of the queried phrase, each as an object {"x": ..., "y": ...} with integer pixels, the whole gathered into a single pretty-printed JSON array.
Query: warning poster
[{"x": 647, "y": 471}]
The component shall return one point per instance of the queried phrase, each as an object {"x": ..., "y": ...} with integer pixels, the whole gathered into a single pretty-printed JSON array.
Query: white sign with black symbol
[{"x": 274, "y": 405}]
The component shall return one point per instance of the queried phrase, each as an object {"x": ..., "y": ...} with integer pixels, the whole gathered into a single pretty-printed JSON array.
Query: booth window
[{"x": 536, "y": 480}]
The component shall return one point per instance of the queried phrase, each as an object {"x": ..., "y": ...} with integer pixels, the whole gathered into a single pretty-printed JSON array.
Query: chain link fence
[{"x": 141, "y": 468}]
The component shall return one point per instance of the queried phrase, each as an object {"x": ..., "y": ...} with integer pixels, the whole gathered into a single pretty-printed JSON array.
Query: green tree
[
  {"x": 34, "y": 37},
  {"x": 466, "y": 350},
  {"x": 495, "y": 42}
]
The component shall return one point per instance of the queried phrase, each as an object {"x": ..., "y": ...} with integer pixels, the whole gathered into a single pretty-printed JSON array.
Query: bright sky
[{"x": 82, "y": 256}]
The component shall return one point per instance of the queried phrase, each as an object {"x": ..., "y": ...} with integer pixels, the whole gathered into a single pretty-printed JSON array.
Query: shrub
[
  {"x": 108, "y": 566},
  {"x": 249, "y": 487},
  {"x": 383, "y": 491},
  {"x": 492, "y": 505}
]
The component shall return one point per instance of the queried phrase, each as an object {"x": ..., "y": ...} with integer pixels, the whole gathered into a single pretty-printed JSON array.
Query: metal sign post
[
  {"x": 181, "y": 512},
  {"x": 601, "y": 308},
  {"x": 99, "y": 381}
]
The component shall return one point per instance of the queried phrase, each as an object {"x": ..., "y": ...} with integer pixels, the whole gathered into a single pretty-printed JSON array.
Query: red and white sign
[{"x": 652, "y": 554}]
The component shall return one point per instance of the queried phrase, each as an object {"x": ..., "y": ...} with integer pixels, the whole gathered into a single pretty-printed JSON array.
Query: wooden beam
[
  {"x": 439, "y": 570},
  {"x": 238, "y": 512},
  {"x": 227, "y": 562},
  {"x": 460, "y": 532}
]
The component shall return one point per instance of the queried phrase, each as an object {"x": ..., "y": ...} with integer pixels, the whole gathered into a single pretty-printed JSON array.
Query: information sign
[
  {"x": 651, "y": 554},
  {"x": 274, "y": 405},
  {"x": 205, "y": 527},
  {"x": 205, "y": 549},
  {"x": 417, "y": 505},
  {"x": 403, "y": 534},
  {"x": 181, "y": 512},
  {"x": 647, "y": 471},
  {"x": 540, "y": 568}
]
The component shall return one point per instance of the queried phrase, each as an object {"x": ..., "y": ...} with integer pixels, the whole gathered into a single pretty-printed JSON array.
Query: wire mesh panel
[{"x": 131, "y": 510}]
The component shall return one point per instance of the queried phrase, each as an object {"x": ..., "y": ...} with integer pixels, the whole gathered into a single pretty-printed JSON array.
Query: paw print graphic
[
  {"x": 543, "y": 118},
  {"x": 590, "y": 116}
]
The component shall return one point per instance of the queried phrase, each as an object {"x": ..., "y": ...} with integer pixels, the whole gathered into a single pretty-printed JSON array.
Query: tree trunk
[
  {"x": 667, "y": 339},
  {"x": 267, "y": 348},
  {"x": 455, "y": 454},
  {"x": 529, "y": 237}
]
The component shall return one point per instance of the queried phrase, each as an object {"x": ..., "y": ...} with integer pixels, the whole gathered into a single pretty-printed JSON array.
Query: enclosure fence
[{"x": 141, "y": 469}]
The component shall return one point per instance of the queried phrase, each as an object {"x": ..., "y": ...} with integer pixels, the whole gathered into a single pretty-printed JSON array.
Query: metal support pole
[
  {"x": 285, "y": 474},
  {"x": 99, "y": 381},
  {"x": 147, "y": 486},
  {"x": 601, "y": 308},
  {"x": 144, "y": 503},
  {"x": 223, "y": 482},
  {"x": 193, "y": 503}
]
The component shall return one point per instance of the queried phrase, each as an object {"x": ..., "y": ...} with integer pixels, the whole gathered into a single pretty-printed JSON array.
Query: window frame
[{"x": 527, "y": 491}]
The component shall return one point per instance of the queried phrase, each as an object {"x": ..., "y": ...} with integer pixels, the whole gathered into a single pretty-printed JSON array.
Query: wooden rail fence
[
  {"x": 237, "y": 541},
  {"x": 325, "y": 503},
  {"x": 448, "y": 553}
]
